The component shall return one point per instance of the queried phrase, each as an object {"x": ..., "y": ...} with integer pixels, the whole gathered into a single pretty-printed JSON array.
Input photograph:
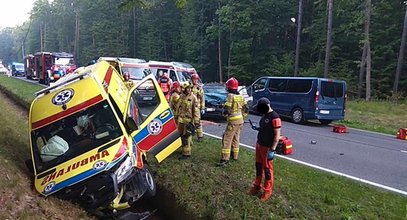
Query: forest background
[{"x": 357, "y": 41}]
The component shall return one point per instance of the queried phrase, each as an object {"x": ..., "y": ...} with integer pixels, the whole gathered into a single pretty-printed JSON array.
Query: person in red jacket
[
  {"x": 165, "y": 84},
  {"x": 269, "y": 130}
]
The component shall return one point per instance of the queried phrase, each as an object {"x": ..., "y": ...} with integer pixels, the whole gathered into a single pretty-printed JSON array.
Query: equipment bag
[{"x": 284, "y": 146}]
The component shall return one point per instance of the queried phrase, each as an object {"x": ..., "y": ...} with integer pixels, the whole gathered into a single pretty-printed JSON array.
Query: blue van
[{"x": 303, "y": 98}]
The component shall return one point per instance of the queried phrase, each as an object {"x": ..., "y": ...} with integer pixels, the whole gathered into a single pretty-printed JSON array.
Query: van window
[
  {"x": 277, "y": 85},
  {"x": 147, "y": 99},
  {"x": 173, "y": 77},
  {"x": 332, "y": 89},
  {"x": 260, "y": 84},
  {"x": 299, "y": 85}
]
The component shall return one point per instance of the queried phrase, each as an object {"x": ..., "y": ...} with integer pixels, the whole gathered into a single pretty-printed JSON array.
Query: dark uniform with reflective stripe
[{"x": 265, "y": 137}]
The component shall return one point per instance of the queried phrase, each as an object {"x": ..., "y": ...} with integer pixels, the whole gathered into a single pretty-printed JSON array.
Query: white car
[
  {"x": 3, "y": 70},
  {"x": 243, "y": 91}
]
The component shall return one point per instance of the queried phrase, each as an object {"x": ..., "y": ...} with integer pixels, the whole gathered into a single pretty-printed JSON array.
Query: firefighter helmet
[
  {"x": 195, "y": 76},
  {"x": 232, "y": 83},
  {"x": 185, "y": 85}
]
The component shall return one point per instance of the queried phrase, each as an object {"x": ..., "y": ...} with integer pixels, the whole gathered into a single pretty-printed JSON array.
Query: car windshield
[
  {"x": 63, "y": 61},
  {"x": 136, "y": 73},
  {"x": 183, "y": 76},
  {"x": 74, "y": 135},
  {"x": 19, "y": 66},
  {"x": 215, "y": 89}
]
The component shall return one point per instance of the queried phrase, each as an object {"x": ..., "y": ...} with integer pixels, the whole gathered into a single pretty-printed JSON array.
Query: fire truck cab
[{"x": 90, "y": 138}]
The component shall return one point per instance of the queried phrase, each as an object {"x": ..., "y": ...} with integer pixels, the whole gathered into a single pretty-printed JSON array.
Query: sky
[{"x": 14, "y": 12}]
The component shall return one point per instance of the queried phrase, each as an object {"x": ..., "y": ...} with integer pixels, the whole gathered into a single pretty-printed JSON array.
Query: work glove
[
  {"x": 270, "y": 155},
  {"x": 202, "y": 112}
]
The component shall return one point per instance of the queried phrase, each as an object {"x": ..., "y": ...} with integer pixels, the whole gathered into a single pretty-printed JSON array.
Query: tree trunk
[
  {"x": 297, "y": 47},
  {"x": 368, "y": 52},
  {"x": 219, "y": 50},
  {"x": 134, "y": 31},
  {"x": 328, "y": 38},
  {"x": 41, "y": 39},
  {"x": 75, "y": 50},
  {"x": 368, "y": 72},
  {"x": 362, "y": 71},
  {"x": 401, "y": 56},
  {"x": 230, "y": 58}
]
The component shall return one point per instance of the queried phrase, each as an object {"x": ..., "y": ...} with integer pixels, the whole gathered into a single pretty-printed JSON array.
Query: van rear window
[{"x": 332, "y": 89}]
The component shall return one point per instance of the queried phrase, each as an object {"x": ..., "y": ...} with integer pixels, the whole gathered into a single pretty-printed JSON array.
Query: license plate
[
  {"x": 210, "y": 109},
  {"x": 325, "y": 112},
  {"x": 148, "y": 98}
]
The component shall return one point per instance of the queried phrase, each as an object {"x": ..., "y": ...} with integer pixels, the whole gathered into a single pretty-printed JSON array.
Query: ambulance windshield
[{"x": 74, "y": 135}]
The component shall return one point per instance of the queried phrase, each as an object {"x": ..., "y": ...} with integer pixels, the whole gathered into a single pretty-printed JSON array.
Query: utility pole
[
  {"x": 328, "y": 38},
  {"x": 401, "y": 56},
  {"x": 297, "y": 47}
]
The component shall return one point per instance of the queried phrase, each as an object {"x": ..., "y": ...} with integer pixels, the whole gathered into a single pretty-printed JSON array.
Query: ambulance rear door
[{"x": 157, "y": 132}]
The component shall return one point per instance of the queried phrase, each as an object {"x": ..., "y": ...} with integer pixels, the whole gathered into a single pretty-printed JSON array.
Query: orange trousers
[{"x": 264, "y": 167}]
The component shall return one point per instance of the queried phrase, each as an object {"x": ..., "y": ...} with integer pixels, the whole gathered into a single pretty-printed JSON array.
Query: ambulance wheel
[
  {"x": 297, "y": 116},
  {"x": 149, "y": 183},
  {"x": 325, "y": 122}
]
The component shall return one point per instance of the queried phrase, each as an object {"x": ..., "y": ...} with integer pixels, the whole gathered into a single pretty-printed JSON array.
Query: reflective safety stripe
[
  {"x": 235, "y": 117},
  {"x": 225, "y": 151},
  {"x": 235, "y": 150}
]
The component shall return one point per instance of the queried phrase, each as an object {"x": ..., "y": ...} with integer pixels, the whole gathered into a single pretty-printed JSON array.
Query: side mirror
[{"x": 131, "y": 124}]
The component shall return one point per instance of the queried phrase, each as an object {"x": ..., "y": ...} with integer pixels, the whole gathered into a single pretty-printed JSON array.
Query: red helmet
[
  {"x": 232, "y": 83},
  {"x": 195, "y": 76},
  {"x": 176, "y": 85}
]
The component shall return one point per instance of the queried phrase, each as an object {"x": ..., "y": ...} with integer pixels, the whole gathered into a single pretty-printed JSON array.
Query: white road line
[
  {"x": 403, "y": 151},
  {"x": 327, "y": 170}
]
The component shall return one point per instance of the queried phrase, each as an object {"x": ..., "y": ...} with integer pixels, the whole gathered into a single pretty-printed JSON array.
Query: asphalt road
[{"x": 378, "y": 158}]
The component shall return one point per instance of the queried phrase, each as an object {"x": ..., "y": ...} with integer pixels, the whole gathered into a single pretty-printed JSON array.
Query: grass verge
[
  {"x": 18, "y": 199},
  {"x": 21, "y": 91},
  {"x": 383, "y": 117}
]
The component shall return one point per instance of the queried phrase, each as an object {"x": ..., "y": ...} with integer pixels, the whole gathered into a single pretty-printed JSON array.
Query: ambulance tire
[
  {"x": 148, "y": 179},
  {"x": 297, "y": 115}
]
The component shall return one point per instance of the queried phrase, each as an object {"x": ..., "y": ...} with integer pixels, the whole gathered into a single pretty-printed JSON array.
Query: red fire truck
[
  {"x": 29, "y": 67},
  {"x": 49, "y": 67}
]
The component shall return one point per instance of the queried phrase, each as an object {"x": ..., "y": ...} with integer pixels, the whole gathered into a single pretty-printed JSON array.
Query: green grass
[
  {"x": 211, "y": 192},
  {"x": 383, "y": 117},
  {"x": 18, "y": 199},
  {"x": 23, "y": 90}
]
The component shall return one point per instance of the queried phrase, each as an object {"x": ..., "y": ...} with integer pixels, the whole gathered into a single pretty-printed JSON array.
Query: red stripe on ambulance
[{"x": 70, "y": 111}]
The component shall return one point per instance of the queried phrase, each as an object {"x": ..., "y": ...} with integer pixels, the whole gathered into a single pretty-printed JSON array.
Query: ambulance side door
[{"x": 157, "y": 132}]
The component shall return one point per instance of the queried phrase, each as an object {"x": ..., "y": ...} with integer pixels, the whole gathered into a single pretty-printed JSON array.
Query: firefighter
[
  {"x": 174, "y": 99},
  {"x": 129, "y": 83},
  {"x": 235, "y": 111},
  {"x": 199, "y": 93},
  {"x": 188, "y": 118},
  {"x": 269, "y": 130},
  {"x": 165, "y": 84}
]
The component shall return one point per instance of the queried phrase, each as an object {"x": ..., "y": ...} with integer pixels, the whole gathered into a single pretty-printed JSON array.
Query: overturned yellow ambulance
[{"x": 89, "y": 138}]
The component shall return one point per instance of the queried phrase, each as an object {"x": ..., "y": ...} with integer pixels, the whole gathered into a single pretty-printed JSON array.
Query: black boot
[{"x": 222, "y": 163}]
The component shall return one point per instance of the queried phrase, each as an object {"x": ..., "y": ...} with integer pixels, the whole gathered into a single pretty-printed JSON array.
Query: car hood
[{"x": 215, "y": 97}]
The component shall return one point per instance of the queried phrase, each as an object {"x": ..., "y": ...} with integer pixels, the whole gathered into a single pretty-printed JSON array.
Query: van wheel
[
  {"x": 325, "y": 122},
  {"x": 297, "y": 116},
  {"x": 149, "y": 183}
]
